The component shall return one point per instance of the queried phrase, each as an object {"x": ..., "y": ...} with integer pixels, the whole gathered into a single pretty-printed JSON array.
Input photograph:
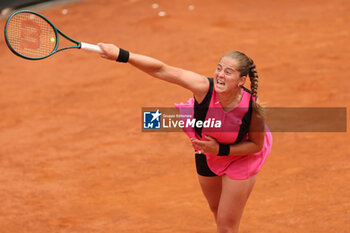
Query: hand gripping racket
[{"x": 32, "y": 36}]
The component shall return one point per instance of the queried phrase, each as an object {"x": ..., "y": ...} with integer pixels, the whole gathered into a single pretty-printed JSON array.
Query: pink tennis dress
[{"x": 227, "y": 128}]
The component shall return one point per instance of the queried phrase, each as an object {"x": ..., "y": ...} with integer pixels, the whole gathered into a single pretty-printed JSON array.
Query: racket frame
[{"x": 56, "y": 30}]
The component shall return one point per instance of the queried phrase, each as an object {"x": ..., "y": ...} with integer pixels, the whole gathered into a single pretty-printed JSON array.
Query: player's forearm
[
  {"x": 196, "y": 83},
  {"x": 245, "y": 148},
  {"x": 156, "y": 68},
  {"x": 147, "y": 64}
]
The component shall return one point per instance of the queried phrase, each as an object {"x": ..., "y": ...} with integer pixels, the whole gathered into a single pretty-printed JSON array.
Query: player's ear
[{"x": 242, "y": 81}]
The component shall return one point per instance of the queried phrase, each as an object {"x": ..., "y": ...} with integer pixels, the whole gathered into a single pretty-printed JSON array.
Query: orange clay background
[{"x": 72, "y": 154}]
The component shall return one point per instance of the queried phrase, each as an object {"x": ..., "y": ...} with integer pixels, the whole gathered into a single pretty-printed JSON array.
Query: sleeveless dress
[{"x": 233, "y": 129}]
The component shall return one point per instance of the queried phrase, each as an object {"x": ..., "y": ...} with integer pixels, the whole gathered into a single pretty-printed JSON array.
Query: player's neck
[{"x": 230, "y": 100}]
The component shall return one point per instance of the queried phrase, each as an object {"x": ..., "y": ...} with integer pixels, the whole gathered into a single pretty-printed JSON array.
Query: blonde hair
[{"x": 247, "y": 67}]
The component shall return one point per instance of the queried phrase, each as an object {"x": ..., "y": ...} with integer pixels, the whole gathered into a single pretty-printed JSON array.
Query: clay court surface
[{"x": 73, "y": 157}]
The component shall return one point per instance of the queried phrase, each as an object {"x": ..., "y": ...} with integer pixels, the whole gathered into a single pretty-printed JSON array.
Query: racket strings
[{"x": 30, "y": 35}]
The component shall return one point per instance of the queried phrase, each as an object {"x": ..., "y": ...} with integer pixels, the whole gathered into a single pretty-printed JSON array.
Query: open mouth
[{"x": 220, "y": 82}]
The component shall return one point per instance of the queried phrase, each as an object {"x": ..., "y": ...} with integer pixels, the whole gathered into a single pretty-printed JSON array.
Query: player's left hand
[{"x": 210, "y": 146}]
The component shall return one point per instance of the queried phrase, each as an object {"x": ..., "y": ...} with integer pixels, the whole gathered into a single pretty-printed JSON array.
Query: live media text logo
[{"x": 170, "y": 120}]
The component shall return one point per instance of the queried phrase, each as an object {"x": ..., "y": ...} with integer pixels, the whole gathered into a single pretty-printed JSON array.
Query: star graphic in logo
[{"x": 156, "y": 115}]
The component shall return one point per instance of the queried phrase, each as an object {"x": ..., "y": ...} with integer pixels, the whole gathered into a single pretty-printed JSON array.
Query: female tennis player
[{"x": 227, "y": 159}]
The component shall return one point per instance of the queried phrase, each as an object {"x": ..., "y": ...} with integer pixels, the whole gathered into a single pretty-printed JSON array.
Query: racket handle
[{"x": 90, "y": 47}]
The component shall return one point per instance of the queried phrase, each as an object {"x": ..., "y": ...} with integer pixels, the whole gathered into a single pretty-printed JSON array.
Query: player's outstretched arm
[{"x": 192, "y": 81}]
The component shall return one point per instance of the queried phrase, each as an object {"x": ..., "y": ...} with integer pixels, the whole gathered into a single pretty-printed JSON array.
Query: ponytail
[{"x": 253, "y": 76}]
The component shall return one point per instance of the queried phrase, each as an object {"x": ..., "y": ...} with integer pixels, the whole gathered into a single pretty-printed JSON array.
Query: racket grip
[{"x": 90, "y": 47}]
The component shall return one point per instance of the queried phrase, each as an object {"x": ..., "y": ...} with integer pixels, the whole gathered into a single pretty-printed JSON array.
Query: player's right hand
[{"x": 109, "y": 51}]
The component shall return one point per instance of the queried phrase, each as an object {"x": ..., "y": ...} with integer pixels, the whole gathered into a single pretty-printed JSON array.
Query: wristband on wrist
[
  {"x": 224, "y": 149},
  {"x": 123, "y": 56}
]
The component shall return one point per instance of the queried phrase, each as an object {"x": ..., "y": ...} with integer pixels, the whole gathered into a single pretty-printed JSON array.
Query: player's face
[{"x": 227, "y": 77}]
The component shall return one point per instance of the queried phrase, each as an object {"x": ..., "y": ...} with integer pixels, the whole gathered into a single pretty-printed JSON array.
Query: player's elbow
[
  {"x": 161, "y": 71},
  {"x": 258, "y": 144},
  {"x": 259, "y": 147},
  {"x": 170, "y": 74}
]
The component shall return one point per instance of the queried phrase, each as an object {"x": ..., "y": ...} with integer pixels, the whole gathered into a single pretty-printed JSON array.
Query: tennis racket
[{"x": 32, "y": 36}]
